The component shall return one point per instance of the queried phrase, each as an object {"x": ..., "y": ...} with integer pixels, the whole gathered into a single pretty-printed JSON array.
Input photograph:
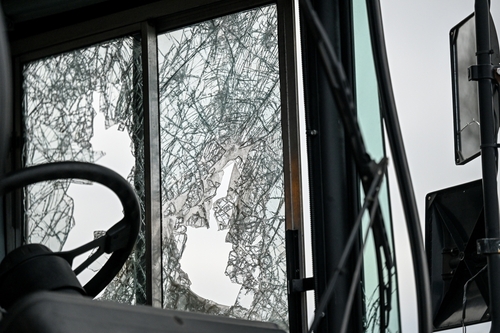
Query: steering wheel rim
[{"x": 119, "y": 239}]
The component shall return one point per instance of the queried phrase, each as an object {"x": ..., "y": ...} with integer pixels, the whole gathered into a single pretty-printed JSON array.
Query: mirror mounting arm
[{"x": 478, "y": 72}]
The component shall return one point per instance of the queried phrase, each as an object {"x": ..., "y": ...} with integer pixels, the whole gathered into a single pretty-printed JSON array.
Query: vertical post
[
  {"x": 297, "y": 307},
  {"x": 152, "y": 165},
  {"x": 332, "y": 175},
  {"x": 488, "y": 156}
]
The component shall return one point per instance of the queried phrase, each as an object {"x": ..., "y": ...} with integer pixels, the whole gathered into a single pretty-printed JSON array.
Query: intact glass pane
[
  {"x": 369, "y": 117},
  {"x": 85, "y": 105},
  {"x": 222, "y": 168}
]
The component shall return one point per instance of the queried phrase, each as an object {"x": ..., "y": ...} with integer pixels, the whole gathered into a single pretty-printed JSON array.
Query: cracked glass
[
  {"x": 222, "y": 177},
  {"x": 85, "y": 105}
]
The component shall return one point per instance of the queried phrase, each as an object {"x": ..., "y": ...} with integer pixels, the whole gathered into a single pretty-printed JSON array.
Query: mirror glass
[{"x": 465, "y": 94}]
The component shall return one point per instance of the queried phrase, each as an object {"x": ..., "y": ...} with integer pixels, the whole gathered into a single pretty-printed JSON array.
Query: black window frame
[{"x": 46, "y": 36}]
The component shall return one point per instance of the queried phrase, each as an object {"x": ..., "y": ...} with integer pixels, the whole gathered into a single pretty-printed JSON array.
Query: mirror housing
[{"x": 465, "y": 93}]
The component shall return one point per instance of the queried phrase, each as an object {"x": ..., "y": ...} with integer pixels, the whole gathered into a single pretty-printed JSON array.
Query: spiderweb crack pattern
[
  {"x": 220, "y": 104},
  {"x": 59, "y": 111}
]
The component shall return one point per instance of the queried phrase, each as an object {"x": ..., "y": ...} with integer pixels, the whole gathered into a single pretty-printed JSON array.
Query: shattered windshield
[
  {"x": 85, "y": 105},
  {"x": 222, "y": 168},
  {"x": 222, "y": 180}
]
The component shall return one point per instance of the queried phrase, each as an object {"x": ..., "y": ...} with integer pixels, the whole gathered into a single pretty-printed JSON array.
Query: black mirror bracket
[{"x": 478, "y": 72}]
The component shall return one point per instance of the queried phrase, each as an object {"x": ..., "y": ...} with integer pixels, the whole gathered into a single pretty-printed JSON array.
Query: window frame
[{"x": 149, "y": 20}]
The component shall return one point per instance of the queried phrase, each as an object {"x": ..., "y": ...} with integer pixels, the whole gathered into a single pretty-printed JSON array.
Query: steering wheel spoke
[{"x": 69, "y": 256}]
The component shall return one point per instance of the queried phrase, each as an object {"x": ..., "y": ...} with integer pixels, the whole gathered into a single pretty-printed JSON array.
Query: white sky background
[{"x": 417, "y": 40}]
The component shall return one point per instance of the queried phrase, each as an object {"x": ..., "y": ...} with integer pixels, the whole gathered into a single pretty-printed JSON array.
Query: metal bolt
[
  {"x": 498, "y": 71},
  {"x": 313, "y": 132}
]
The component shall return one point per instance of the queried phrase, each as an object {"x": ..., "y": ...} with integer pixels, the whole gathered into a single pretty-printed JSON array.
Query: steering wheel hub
[{"x": 31, "y": 268}]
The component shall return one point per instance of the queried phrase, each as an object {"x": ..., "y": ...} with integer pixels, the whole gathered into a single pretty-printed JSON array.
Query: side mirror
[
  {"x": 465, "y": 93},
  {"x": 454, "y": 222}
]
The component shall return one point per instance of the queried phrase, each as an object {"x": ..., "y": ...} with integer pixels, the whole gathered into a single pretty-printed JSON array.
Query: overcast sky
[{"x": 417, "y": 39}]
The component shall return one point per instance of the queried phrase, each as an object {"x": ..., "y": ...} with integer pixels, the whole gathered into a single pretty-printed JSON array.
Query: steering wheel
[{"x": 118, "y": 240}]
